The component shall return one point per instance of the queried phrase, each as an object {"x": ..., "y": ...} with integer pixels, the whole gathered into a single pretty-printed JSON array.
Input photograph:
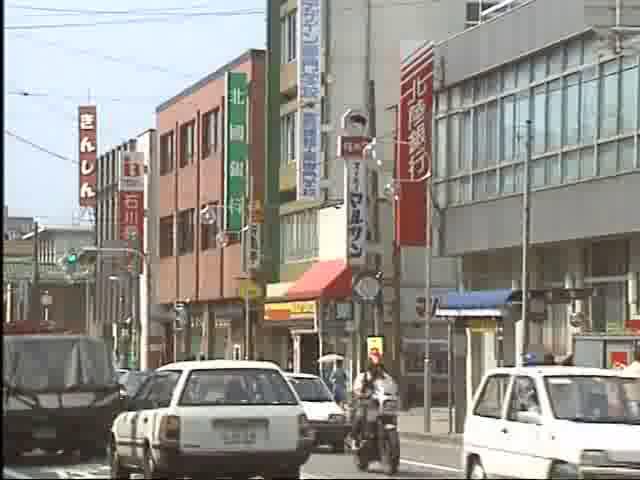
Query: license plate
[
  {"x": 44, "y": 434},
  {"x": 239, "y": 436}
]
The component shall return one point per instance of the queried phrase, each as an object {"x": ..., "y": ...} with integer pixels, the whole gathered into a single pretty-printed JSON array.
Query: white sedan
[
  {"x": 212, "y": 418},
  {"x": 326, "y": 417}
]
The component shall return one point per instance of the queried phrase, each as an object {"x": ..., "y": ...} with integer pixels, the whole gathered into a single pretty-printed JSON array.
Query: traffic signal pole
[{"x": 35, "y": 310}]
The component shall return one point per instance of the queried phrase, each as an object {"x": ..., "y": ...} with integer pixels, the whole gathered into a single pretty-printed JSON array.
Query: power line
[
  {"x": 165, "y": 18},
  {"x": 39, "y": 147},
  {"x": 75, "y": 11},
  {"x": 111, "y": 58}
]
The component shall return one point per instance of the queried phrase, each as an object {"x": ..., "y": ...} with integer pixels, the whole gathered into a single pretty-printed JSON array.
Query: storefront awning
[
  {"x": 324, "y": 280},
  {"x": 479, "y": 303}
]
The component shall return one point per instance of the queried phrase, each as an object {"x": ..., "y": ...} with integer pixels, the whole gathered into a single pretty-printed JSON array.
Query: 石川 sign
[
  {"x": 88, "y": 138},
  {"x": 131, "y": 198},
  {"x": 309, "y": 98},
  {"x": 236, "y": 149}
]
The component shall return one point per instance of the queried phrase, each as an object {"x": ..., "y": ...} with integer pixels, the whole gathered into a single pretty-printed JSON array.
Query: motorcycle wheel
[{"x": 391, "y": 454}]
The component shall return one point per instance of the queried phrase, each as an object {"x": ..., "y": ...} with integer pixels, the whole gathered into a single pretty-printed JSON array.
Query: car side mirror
[{"x": 532, "y": 418}]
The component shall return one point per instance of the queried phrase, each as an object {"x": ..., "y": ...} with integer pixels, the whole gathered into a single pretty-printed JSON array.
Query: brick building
[{"x": 191, "y": 267}]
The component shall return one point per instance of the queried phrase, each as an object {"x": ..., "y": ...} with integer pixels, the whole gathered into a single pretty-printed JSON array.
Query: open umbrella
[{"x": 330, "y": 358}]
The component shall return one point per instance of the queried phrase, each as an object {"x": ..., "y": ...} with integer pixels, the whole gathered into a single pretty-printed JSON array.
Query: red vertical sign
[
  {"x": 131, "y": 202},
  {"x": 415, "y": 113},
  {"x": 88, "y": 143}
]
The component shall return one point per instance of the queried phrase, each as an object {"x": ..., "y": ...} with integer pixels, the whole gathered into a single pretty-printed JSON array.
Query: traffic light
[
  {"x": 72, "y": 258},
  {"x": 70, "y": 262}
]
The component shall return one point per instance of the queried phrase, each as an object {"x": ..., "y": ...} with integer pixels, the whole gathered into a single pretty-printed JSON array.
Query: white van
[{"x": 553, "y": 422}]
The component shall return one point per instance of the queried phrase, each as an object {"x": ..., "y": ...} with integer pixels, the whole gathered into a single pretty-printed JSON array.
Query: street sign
[
  {"x": 367, "y": 286},
  {"x": 248, "y": 288}
]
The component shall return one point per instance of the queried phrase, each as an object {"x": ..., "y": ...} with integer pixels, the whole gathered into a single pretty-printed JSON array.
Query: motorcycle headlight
[
  {"x": 594, "y": 458},
  {"x": 336, "y": 418},
  {"x": 391, "y": 405}
]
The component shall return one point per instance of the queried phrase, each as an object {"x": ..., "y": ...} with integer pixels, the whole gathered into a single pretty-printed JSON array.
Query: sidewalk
[{"x": 411, "y": 426}]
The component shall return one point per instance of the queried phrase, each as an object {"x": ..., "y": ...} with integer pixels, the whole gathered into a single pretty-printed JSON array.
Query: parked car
[
  {"x": 326, "y": 417},
  {"x": 228, "y": 418},
  {"x": 553, "y": 422}
]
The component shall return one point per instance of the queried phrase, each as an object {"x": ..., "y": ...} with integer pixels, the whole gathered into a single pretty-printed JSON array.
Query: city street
[{"x": 419, "y": 460}]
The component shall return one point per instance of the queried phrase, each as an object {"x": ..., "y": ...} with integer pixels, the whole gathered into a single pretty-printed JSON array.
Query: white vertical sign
[
  {"x": 309, "y": 99},
  {"x": 356, "y": 196}
]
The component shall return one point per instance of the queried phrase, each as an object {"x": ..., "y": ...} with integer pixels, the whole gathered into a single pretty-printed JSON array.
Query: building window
[
  {"x": 299, "y": 236},
  {"x": 187, "y": 143},
  {"x": 609, "y": 105},
  {"x": 186, "y": 231},
  {"x": 474, "y": 8},
  {"x": 288, "y": 142},
  {"x": 210, "y": 137},
  {"x": 166, "y": 236},
  {"x": 209, "y": 231},
  {"x": 289, "y": 28},
  {"x": 571, "y": 112},
  {"x": 167, "y": 154}
]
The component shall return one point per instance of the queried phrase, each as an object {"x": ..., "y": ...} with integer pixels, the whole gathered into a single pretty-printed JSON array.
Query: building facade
[
  {"x": 15, "y": 227},
  {"x": 68, "y": 297},
  {"x": 565, "y": 74},
  {"x": 363, "y": 44},
  {"x": 124, "y": 313},
  {"x": 192, "y": 269}
]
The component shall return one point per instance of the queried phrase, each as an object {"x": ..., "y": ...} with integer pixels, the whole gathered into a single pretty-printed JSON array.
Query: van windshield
[
  {"x": 594, "y": 399},
  {"x": 55, "y": 363}
]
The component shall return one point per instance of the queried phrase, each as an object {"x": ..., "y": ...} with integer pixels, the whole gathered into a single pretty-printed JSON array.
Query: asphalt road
[{"x": 419, "y": 460}]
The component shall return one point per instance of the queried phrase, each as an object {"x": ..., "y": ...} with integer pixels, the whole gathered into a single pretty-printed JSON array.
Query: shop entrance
[{"x": 309, "y": 353}]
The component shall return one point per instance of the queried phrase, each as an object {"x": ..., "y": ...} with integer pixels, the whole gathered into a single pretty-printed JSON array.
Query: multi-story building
[
  {"x": 69, "y": 299},
  {"x": 122, "y": 293},
  {"x": 566, "y": 74},
  {"x": 363, "y": 43},
  {"x": 193, "y": 270},
  {"x": 15, "y": 227}
]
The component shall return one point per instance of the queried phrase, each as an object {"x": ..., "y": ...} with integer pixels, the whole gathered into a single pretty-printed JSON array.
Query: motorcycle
[{"x": 380, "y": 440}]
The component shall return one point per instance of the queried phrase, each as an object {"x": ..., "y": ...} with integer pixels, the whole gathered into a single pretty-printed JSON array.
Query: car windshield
[
  {"x": 132, "y": 381},
  {"x": 594, "y": 399},
  {"x": 311, "y": 389},
  {"x": 55, "y": 363},
  {"x": 240, "y": 386}
]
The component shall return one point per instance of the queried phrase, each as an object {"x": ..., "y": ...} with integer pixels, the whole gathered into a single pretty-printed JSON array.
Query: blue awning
[
  {"x": 478, "y": 303},
  {"x": 478, "y": 299}
]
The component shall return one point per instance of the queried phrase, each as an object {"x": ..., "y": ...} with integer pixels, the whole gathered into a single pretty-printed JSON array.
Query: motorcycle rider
[{"x": 363, "y": 387}]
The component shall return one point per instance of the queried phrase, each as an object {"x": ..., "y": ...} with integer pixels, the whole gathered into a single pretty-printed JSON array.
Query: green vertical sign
[{"x": 236, "y": 150}]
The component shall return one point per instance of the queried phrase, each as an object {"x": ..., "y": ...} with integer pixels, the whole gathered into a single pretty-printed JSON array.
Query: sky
[{"x": 126, "y": 69}]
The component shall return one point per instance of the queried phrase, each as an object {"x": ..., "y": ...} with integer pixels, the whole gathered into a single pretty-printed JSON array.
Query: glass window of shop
[
  {"x": 585, "y": 114},
  {"x": 609, "y": 258}
]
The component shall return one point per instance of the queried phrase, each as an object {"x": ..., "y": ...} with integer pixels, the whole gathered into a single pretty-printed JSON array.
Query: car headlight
[
  {"x": 594, "y": 458},
  {"x": 336, "y": 418}
]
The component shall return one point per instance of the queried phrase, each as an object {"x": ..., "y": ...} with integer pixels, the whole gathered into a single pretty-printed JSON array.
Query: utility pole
[
  {"x": 427, "y": 313},
  {"x": 36, "y": 308},
  {"x": 526, "y": 230},
  {"x": 378, "y": 316},
  {"x": 396, "y": 325}
]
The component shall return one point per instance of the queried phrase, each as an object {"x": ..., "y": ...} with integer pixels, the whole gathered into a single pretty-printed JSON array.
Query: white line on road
[
  {"x": 432, "y": 466},
  {"x": 14, "y": 474}
]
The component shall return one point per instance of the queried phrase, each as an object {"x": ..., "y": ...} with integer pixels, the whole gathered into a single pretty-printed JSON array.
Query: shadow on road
[{"x": 47, "y": 460}]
